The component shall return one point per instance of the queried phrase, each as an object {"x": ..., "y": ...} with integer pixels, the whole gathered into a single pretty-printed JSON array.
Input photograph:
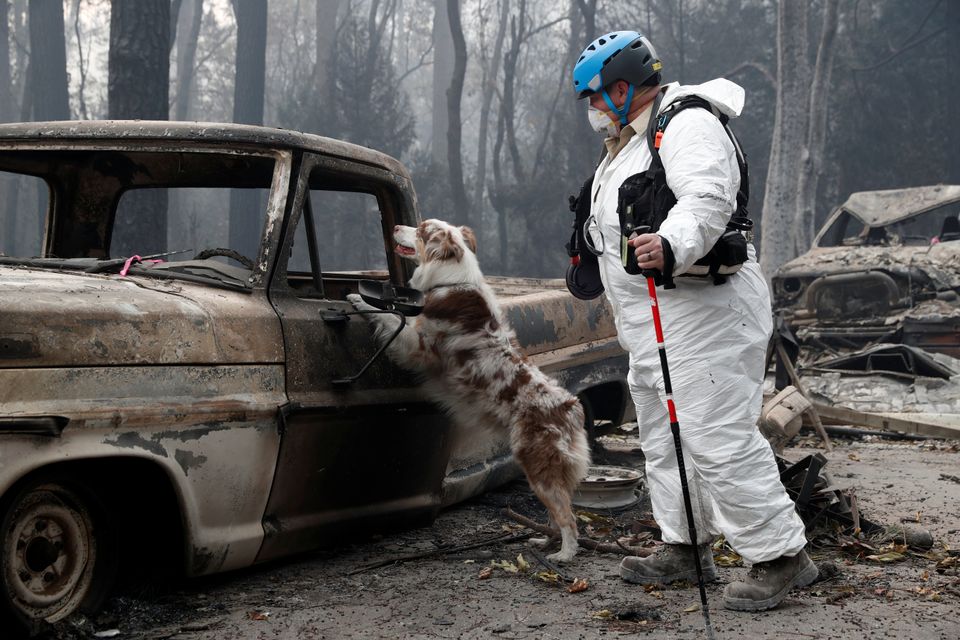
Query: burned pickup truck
[
  {"x": 181, "y": 383},
  {"x": 885, "y": 268}
]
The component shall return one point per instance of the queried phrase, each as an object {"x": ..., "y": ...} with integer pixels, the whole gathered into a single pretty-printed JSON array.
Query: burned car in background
[
  {"x": 885, "y": 268},
  {"x": 180, "y": 369}
]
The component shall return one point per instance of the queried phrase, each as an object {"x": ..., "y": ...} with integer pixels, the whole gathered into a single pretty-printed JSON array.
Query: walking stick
[{"x": 675, "y": 429}]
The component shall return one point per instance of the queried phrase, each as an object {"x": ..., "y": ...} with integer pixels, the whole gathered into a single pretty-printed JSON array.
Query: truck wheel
[
  {"x": 58, "y": 552},
  {"x": 589, "y": 423}
]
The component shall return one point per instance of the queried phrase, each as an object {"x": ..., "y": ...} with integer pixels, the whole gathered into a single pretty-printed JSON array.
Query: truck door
[{"x": 366, "y": 454}]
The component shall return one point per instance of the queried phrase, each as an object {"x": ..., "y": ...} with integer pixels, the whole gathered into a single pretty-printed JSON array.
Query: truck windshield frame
[{"x": 88, "y": 181}]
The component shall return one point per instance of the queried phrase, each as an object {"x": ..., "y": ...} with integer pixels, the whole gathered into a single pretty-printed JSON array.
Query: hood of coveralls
[{"x": 725, "y": 95}]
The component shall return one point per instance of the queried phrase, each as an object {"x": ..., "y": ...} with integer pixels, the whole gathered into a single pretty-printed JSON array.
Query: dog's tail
[{"x": 579, "y": 447}]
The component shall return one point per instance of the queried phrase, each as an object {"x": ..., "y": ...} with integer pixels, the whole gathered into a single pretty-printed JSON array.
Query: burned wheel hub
[
  {"x": 608, "y": 487},
  {"x": 49, "y": 553}
]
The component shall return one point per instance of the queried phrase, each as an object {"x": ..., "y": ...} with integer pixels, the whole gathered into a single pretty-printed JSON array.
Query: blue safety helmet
[{"x": 619, "y": 55}]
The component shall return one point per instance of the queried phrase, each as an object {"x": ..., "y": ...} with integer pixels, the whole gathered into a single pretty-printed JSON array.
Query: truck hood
[
  {"x": 52, "y": 318},
  {"x": 940, "y": 262}
]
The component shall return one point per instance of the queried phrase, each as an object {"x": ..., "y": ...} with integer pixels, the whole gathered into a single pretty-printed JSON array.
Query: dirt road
[{"x": 444, "y": 597}]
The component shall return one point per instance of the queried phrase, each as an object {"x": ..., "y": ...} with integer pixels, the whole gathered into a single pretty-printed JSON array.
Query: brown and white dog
[{"x": 469, "y": 359}]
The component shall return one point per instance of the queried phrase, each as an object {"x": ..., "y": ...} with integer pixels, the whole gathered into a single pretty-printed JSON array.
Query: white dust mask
[{"x": 601, "y": 122}]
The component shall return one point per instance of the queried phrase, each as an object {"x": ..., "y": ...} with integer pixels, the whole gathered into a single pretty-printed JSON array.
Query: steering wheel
[{"x": 226, "y": 253}]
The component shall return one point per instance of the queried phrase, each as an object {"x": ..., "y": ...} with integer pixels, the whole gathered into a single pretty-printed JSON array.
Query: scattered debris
[
  {"x": 522, "y": 564},
  {"x": 895, "y": 555},
  {"x": 840, "y": 594},
  {"x": 919, "y": 424},
  {"x": 899, "y": 359},
  {"x": 505, "y": 537},
  {"x": 108, "y": 633},
  {"x": 202, "y": 625},
  {"x": 586, "y": 543},
  {"x": 816, "y": 499},
  {"x": 948, "y": 565},
  {"x": 947, "y": 476},
  {"x": 724, "y": 555},
  {"x": 553, "y": 573},
  {"x": 506, "y": 565},
  {"x": 812, "y": 411},
  {"x": 782, "y": 417},
  {"x": 828, "y": 571},
  {"x": 631, "y": 613},
  {"x": 258, "y": 615},
  {"x": 485, "y": 573},
  {"x": 580, "y": 584},
  {"x": 548, "y": 576}
]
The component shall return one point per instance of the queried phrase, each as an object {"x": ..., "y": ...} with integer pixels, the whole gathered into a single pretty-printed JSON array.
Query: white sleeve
[{"x": 702, "y": 171}]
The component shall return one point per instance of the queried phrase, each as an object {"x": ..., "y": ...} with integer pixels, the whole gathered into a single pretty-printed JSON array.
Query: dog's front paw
[
  {"x": 358, "y": 303},
  {"x": 561, "y": 557}
]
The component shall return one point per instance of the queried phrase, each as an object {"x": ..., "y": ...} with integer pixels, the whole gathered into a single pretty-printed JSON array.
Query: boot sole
[
  {"x": 635, "y": 577},
  {"x": 807, "y": 575}
]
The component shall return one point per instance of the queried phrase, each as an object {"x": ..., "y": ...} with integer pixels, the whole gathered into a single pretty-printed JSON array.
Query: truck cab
[{"x": 178, "y": 381}]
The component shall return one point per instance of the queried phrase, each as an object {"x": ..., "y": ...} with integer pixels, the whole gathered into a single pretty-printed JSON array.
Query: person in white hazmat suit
[{"x": 715, "y": 334}]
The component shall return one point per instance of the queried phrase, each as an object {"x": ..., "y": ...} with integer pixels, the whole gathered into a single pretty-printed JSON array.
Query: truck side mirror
[{"x": 389, "y": 297}]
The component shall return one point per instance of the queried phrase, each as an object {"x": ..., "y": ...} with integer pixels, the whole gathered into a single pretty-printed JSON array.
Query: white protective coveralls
[{"x": 715, "y": 336}]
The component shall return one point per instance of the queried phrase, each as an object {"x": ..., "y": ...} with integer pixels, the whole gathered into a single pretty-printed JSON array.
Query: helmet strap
[{"x": 622, "y": 111}]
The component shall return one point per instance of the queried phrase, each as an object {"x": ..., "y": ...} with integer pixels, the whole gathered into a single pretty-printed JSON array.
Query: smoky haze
[{"x": 475, "y": 96}]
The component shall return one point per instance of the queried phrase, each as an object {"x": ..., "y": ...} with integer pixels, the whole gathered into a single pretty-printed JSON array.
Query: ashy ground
[{"x": 899, "y": 593}]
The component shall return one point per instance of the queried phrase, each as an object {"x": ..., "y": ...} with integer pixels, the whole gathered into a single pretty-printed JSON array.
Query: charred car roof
[
  {"x": 208, "y": 133},
  {"x": 876, "y": 208}
]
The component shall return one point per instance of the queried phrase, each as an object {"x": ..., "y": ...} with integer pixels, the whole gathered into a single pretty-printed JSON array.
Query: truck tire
[
  {"x": 58, "y": 552},
  {"x": 589, "y": 422}
]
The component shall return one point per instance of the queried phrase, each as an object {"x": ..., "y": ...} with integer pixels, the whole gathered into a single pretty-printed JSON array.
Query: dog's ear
[
  {"x": 469, "y": 238},
  {"x": 439, "y": 243}
]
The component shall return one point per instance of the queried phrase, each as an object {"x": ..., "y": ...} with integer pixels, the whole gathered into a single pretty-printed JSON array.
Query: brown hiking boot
[
  {"x": 767, "y": 583},
  {"x": 670, "y": 563}
]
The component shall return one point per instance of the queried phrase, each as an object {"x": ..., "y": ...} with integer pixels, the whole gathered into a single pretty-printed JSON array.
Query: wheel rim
[{"x": 50, "y": 552}]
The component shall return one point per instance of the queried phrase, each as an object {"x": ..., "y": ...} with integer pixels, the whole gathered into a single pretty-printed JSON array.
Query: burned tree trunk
[
  {"x": 245, "y": 212},
  {"x": 6, "y": 81},
  {"x": 442, "y": 72},
  {"x": 454, "y": 127},
  {"x": 7, "y": 228},
  {"x": 789, "y": 136},
  {"x": 507, "y": 105},
  {"x": 139, "y": 60},
  {"x": 323, "y": 76},
  {"x": 251, "y": 61},
  {"x": 47, "y": 69},
  {"x": 953, "y": 84},
  {"x": 488, "y": 84},
  {"x": 585, "y": 145},
  {"x": 809, "y": 177},
  {"x": 799, "y": 134},
  {"x": 191, "y": 13},
  {"x": 139, "y": 87},
  {"x": 48, "y": 61}
]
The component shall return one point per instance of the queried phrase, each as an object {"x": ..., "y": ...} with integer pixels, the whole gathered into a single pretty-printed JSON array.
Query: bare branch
[
  {"x": 923, "y": 22},
  {"x": 423, "y": 62},
  {"x": 903, "y": 49},
  {"x": 529, "y": 34},
  {"x": 549, "y": 124},
  {"x": 762, "y": 69}
]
